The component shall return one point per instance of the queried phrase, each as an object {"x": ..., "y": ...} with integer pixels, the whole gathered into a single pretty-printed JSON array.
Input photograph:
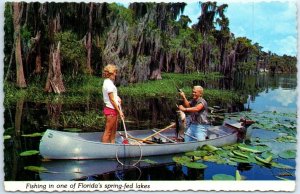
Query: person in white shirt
[{"x": 112, "y": 104}]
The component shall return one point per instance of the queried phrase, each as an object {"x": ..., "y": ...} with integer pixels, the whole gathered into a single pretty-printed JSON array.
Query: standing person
[
  {"x": 197, "y": 109},
  {"x": 112, "y": 104}
]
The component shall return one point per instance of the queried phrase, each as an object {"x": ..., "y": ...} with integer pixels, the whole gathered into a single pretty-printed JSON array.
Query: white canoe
[{"x": 68, "y": 145}]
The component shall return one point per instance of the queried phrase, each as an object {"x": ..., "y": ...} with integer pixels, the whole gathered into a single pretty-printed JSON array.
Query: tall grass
[{"x": 88, "y": 88}]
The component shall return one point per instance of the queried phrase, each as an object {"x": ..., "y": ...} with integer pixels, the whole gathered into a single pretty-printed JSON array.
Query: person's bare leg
[
  {"x": 109, "y": 124},
  {"x": 114, "y": 131}
]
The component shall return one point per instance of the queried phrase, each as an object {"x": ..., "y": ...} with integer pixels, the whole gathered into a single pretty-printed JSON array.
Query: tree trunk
[
  {"x": 10, "y": 62},
  {"x": 54, "y": 111},
  {"x": 54, "y": 80},
  {"x": 38, "y": 61},
  {"x": 18, "y": 54},
  {"x": 18, "y": 116},
  {"x": 89, "y": 40}
]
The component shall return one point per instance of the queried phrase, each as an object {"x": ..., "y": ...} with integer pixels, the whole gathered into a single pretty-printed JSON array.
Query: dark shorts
[{"x": 110, "y": 111}]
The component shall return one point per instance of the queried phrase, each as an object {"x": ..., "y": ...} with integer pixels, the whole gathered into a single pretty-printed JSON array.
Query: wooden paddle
[
  {"x": 168, "y": 127},
  {"x": 137, "y": 139}
]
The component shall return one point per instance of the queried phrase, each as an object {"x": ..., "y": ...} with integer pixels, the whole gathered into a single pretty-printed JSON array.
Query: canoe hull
[{"x": 65, "y": 145}]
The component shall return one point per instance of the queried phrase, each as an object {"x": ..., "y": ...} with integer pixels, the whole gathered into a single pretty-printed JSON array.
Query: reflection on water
[
  {"x": 280, "y": 100},
  {"x": 280, "y": 95},
  {"x": 265, "y": 93}
]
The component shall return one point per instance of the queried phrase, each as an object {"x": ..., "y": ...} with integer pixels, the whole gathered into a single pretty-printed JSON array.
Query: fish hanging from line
[{"x": 181, "y": 123}]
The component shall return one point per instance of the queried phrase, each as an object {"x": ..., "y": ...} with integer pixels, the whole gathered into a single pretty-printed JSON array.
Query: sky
[{"x": 271, "y": 24}]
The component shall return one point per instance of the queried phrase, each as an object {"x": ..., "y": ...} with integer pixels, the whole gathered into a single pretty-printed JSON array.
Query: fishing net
[
  {"x": 129, "y": 153},
  {"x": 132, "y": 172}
]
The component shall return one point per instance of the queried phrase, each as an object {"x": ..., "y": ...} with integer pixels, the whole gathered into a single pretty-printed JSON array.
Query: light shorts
[{"x": 196, "y": 130}]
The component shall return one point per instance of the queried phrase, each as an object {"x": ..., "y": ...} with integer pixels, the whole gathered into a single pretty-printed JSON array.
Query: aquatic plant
[
  {"x": 37, "y": 169},
  {"x": 254, "y": 152},
  {"x": 33, "y": 135},
  {"x": 29, "y": 153},
  {"x": 223, "y": 177},
  {"x": 86, "y": 88}
]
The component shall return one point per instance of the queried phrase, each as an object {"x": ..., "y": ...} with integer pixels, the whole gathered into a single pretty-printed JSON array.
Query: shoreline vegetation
[
  {"x": 45, "y": 46},
  {"x": 88, "y": 88}
]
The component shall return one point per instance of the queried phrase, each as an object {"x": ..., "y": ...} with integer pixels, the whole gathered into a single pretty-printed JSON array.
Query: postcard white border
[{"x": 51, "y": 186}]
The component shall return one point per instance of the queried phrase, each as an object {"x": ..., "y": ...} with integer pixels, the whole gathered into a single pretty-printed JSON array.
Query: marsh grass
[{"x": 89, "y": 88}]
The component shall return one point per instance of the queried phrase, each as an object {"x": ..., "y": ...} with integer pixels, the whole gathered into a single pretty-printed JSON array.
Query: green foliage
[
  {"x": 91, "y": 119},
  {"x": 73, "y": 52},
  {"x": 120, "y": 12},
  {"x": 25, "y": 33},
  {"x": 184, "y": 43},
  {"x": 86, "y": 88},
  {"x": 246, "y": 66},
  {"x": 8, "y": 29},
  {"x": 183, "y": 81}
]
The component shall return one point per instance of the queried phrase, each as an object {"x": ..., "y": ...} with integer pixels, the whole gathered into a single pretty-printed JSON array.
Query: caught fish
[{"x": 181, "y": 123}]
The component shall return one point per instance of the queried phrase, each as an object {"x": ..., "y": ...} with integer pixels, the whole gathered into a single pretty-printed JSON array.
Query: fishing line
[{"x": 174, "y": 83}]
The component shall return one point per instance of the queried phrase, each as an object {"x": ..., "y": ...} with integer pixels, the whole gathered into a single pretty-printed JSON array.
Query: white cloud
[
  {"x": 271, "y": 24},
  {"x": 285, "y": 97},
  {"x": 286, "y": 45},
  {"x": 240, "y": 32}
]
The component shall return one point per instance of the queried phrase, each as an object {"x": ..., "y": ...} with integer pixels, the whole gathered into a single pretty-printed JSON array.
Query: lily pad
[
  {"x": 266, "y": 161},
  {"x": 35, "y": 168},
  {"x": 198, "y": 153},
  {"x": 196, "y": 165},
  {"x": 239, "y": 160},
  {"x": 5, "y": 137},
  {"x": 186, "y": 161},
  {"x": 29, "y": 153},
  {"x": 288, "y": 154},
  {"x": 223, "y": 177},
  {"x": 211, "y": 158},
  {"x": 181, "y": 160},
  {"x": 281, "y": 166},
  {"x": 287, "y": 138},
  {"x": 209, "y": 148},
  {"x": 254, "y": 149},
  {"x": 223, "y": 153},
  {"x": 240, "y": 154},
  {"x": 33, "y": 135},
  {"x": 268, "y": 153}
]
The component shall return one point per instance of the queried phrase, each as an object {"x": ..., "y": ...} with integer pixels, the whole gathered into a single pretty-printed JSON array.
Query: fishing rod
[
  {"x": 178, "y": 118},
  {"x": 174, "y": 83}
]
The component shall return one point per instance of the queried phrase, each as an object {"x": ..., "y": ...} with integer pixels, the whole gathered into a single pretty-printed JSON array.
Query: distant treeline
[{"x": 55, "y": 43}]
